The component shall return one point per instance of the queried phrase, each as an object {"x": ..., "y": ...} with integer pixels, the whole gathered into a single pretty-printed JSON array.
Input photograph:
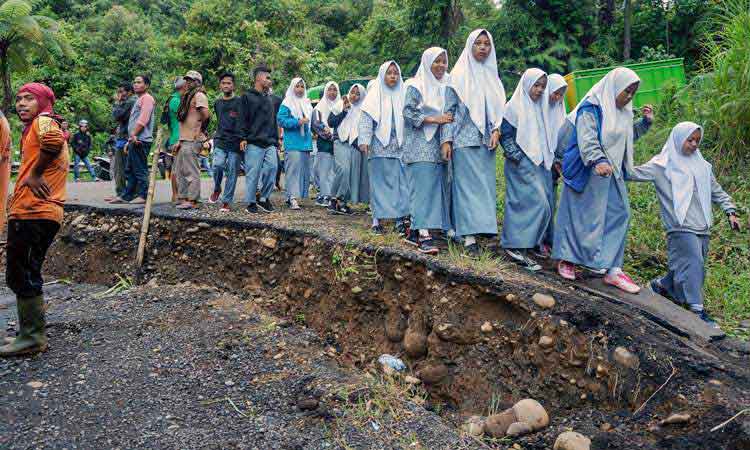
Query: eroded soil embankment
[{"x": 477, "y": 344}]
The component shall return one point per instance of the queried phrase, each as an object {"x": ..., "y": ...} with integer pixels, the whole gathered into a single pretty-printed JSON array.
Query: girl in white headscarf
[
  {"x": 381, "y": 136},
  {"x": 294, "y": 117},
  {"x": 529, "y": 156},
  {"x": 423, "y": 117},
  {"x": 476, "y": 100},
  {"x": 686, "y": 188},
  {"x": 594, "y": 213},
  {"x": 323, "y": 165},
  {"x": 350, "y": 181}
]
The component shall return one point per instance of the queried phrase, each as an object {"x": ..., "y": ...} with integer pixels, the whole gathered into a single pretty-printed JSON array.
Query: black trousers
[{"x": 28, "y": 242}]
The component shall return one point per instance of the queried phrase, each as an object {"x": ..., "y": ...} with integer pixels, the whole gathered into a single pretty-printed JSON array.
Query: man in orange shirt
[{"x": 36, "y": 212}]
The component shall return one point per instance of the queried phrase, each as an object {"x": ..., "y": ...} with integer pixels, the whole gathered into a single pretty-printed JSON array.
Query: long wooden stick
[{"x": 149, "y": 201}]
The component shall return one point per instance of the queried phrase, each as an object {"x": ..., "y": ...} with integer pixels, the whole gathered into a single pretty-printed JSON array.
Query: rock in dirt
[
  {"x": 570, "y": 440},
  {"x": 395, "y": 325},
  {"x": 546, "y": 342},
  {"x": 625, "y": 358},
  {"x": 517, "y": 429},
  {"x": 269, "y": 242},
  {"x": 474, "y": 426},
  {"x": 412, "y": 380},
  {"x": 78, "y": 220},
  {"x": 35, "y": 384},
  {"x": 543, "y": 301},
  {"x": 531, "y": 412},
  {"x": 356, "y": 290},
  {"x": 433, "y": 373},
  {"x": 486, "y": 327},
  {"x": 497, "y": 424},
  {"x": 676, "y": 419},
  {"x": 307, "y": 404}
]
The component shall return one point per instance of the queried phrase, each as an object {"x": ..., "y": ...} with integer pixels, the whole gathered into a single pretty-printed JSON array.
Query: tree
[
  {"x": 24, "y": 36},
  {"x": 627, "y": 25}
]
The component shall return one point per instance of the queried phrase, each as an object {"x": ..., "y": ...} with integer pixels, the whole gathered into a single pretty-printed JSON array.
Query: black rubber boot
[{"x": 31, "y": 337}]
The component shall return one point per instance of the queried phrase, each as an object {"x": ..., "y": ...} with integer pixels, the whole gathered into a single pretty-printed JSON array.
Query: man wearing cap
[
  {"x": 140, "y": 137},
  {"x": 193, "y": 115},
  {"x": 174, "y": 132},
  {"x": 124, "y": 99},
  {"x": 36, "y": 212},
  {"x": 81, "y": 144}
]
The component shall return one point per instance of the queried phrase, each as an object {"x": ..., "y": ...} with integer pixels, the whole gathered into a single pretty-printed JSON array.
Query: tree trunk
[
  {"x": 627, "y": 22},
  {"x": 5, "y": 75},
  {"x": 606, "y": 14}
]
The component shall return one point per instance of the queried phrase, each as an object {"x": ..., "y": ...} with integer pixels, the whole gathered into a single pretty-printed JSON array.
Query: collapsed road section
[{"x": 475, "y": 346}]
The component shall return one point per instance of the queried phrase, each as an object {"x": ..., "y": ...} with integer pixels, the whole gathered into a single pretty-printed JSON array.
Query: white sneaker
[{"x": 293, "y": 204}]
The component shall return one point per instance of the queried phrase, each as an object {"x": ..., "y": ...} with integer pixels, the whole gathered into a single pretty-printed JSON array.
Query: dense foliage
[{"x": 111, "y": 41}]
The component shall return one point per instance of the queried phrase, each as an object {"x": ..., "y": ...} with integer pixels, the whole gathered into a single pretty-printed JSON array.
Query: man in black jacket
[
  {"x": 81, "y": 144},
  {"x": 259, "y": 138},
  {"x": 125, "y": 98}
]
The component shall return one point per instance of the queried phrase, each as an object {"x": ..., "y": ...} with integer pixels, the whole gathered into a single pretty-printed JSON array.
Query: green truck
[{"x": 655, "y": 75}]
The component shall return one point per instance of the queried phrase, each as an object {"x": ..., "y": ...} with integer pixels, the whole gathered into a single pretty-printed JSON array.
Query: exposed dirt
[{"x": 365, "y": 301}]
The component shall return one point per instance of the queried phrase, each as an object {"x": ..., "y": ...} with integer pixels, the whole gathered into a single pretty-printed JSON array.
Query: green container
[
  {"x": 315, "y": 93},
  {"x": 654, "y": 76}
]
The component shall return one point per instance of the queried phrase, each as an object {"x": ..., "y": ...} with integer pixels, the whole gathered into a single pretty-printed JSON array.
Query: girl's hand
[
  {"x": 557, "y": 168},
  {"x": 446, "y": 149},
  {"x": 346, "y": 101},
  {"x": 303, "y": 121},
  {"x": 364, "y": 148},
  {"x": 494, "y": 139},
  {"x": 648, "y": 112},
  {"x": 603, "y": 169},
  {"x": 734, "y": 222}
]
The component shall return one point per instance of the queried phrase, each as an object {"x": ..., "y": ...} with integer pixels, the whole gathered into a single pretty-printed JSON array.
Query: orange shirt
[{"x": 24, "y": 205}]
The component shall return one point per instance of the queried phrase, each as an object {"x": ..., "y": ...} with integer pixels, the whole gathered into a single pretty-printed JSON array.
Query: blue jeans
[
  {"x": 205, "y": 164},
  {"x": 260, "y": 164},
  {"x": 229, "y": 162},
  {"x": 137, "y": 176},
  {"x": 77, "y": 160}
]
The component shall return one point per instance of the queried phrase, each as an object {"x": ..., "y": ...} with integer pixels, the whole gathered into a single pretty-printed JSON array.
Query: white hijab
[
  {"x": 686, "y": 172},
  {"x": 529, "y": 119},
  {"x": 348, "y": 129},
  {"x": 556, "y": 113},
  {"x": 430, "y": 88},
  {"x": 325, "y": 105},
  {"x": 299, "y": 106},
  {"x": 617, "y": 124},
  {"x": 478, "y": 85},
  {"x": 386, "y": 106}
]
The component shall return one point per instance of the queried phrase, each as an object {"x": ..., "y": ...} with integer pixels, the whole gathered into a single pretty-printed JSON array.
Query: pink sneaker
[
  {"x": 566, "y": 270},
  {"x": 622, "y": 281}
]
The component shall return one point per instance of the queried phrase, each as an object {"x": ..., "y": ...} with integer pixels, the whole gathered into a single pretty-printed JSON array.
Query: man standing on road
[
  {"x": 140, "y": 138},
  {"x": 125, "y": 98},
  {"x": 36, "y": 212},
  {"x": 81, "y": 144},
  {"x": 227, "y": 155},
  {"x": 260, "y": 136},
  {"x": 173, "y": 104},
  {"x": 193, "y": 115}
]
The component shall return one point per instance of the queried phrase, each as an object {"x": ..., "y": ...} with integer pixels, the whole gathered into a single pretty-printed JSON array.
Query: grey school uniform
[
  {"x": 687, "y": 244},
  {"x": 351, "y": 183},
  {"x": 473, "y": 189},
  {"x": 592, "y": 225},
  {"x": 529, "y": 193},
  {"x": 425, "y": 168},
  {"x": 389, "y": 189}
]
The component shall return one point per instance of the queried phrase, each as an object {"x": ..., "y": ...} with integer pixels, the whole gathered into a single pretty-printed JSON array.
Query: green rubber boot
[{"x": 31, "y": 337}]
